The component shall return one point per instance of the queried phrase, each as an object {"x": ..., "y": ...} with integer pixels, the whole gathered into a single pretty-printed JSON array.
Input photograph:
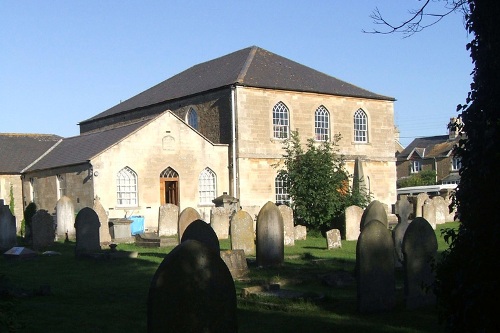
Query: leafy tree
[
  {"x": 318, "y": 182},
  {"x": 11, "y": 202},
  {"x": 467, "y": 284},
  {"x": 425, "y": 177}
]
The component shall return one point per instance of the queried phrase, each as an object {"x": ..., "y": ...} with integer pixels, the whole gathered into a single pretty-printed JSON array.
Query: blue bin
[{"x": 137, "y": 226}]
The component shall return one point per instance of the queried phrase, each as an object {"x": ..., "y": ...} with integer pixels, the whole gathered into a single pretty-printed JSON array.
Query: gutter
[{"x": 233, "y": 141}]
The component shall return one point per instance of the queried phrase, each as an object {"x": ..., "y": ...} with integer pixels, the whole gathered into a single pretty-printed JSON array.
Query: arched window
[
  {"x": 126, "y": 188},
  {"x": 192, "y": 118},
  {"x": 360, "y": 126},
  {"x": 281, "y": 122},
  {"x": 281, "y": 190},
  {"x": 207, "y": 188},
  {"x": 321, "y": 124}
]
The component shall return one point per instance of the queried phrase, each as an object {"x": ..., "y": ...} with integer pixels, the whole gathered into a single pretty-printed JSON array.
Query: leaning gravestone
[
  {"x": 65, "y": 217},
  {"x": 242, "y": 233},
  {"x": 104, "y": 234},
  {"x": 43, "y": 233},
  {"x": 87, "y": 232},
  {"x": 270, "y": 234},
  {"x": 187, "y": 216},
  {"x": 419, "y": 249},
  {"x": 333, "y": 239},
  {"x": 289, "y": 232},
  {"x": 219, "y": 221},
  {"x": 168, "y": 219},
  {"x": 8, "y": 237},
  {"x": 200, "y": 231},
  {"x": 189, "y": 295},
  {"x": 403, "y": 210},
  {"x": 376, "y": 282},
  {"x": 429, "y": 212},
  {"x": 374, "y": 211},
  {"x": 353, "y": 216}
]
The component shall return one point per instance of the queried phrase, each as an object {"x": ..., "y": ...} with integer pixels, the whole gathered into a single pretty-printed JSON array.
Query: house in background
[
  {"x": 17, "y": 152},
  {"x": 432, "y": 153},
  {"x": 216, "y": 127}
]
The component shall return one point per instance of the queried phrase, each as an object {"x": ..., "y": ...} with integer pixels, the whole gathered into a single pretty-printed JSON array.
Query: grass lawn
[{"x": 64, "y": 294}]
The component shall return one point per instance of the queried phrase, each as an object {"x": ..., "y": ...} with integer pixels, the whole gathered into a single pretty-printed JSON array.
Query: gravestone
[
  {"x": 236, "y": 261},
  {"x": 441, "y": 209},
  {"x": 187, "y": 216},
  {"x": 8, "y": 238},
  {"x": 374, "y": 211},
  {"x": 289, "y": 235},
  {"x": 104, "y": 234},
  {"x": 418, "y": 204},
  {"x": 189, "y": 295},
  {"x": 200, "y": 231},
  {"x": 403, "y": 210},
  {"x": 333, "y": 239},
  {"x": 65, "y": 217},
  {"x": 353, "y": 216},
  {"x": 168, "y": 219},
  {"x": 376, "y": 282},
  {"x": 219, "y": 221},
  {"x": 429, "y": 212},
  {"x": 270, "y": 234},
  {"x": 87, "y": 232},
  {"x": 420, "y": 249},
  {"x": 43, "y": 231},
  {"x": 242, "y": 233},
  {"x": 300, "y": 232}
]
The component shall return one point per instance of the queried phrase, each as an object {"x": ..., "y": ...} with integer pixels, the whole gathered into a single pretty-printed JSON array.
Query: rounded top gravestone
[
  {"x": 374, "y": 211},
  {"x": 201, "y": 231},
  {"x": 270, "y": 236}
]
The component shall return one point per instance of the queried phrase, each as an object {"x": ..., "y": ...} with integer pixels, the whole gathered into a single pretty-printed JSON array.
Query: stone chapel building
[{"x": 216, "y": 127}]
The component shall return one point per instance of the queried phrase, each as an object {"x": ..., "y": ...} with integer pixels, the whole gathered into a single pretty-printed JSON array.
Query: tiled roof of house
[
  {"x": 254, "y": 67},
  {"x": 429, "y": 147},
  {"x": 80, "y": 149},
  {"x": 17, "y": 151}
]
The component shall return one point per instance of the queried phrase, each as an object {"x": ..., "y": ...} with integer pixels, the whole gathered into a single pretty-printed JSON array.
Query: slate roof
[
  {"x": 253, "y": 67},
  {"x": 429, "y": 147},
  {"x": 17, "y": 151},
  {"x": 80, "y": 149}
]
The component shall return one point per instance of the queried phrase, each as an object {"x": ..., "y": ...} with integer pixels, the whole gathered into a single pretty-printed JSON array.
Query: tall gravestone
[
  {"x": 420, "y": 249},
  {"x": 270, "y": 234},
  {"x": 418, "y": 204},
  {"x": 43, "y": 231},
  {"x": 104, "y": 234},
  {"x": 200, "y": 231},
  {"x": 403, "y": 210},
  {"x": 187, "y": 216},
  {"x": 374, "y": 211},
  {"x": 8, "y": 238},
  {"x": 219, "y": 221},
  {"x": 353, "y": 216},
  {"x": 65, "y": 217},
  {"x": 441, "y": 209},
  {"x": 87, "y": 232},
  {"x": 190, "y": 295},
  {"x": 242, "y": 233},
  {"x": 288, "y": 229},
  {"x": 376, "y": 282},
  {"x": 429, "y": 212},
  {"x": 168, "y": 220}
]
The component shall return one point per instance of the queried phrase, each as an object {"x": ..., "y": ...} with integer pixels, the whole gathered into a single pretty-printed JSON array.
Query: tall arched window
[
  {"x": 281, "y": 122},
  {"x": 207, "y": 186},
  {"x": 360, "y": 126},
  {"x": 281, "y": 190},
  {"x": 126, "y": 188},
  {"x": 192, "y": 118},
  {"x": 321, "y": 124}
]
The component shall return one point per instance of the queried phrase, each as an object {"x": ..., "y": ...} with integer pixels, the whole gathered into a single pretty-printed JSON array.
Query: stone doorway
[{"x": 169, "y": 187}]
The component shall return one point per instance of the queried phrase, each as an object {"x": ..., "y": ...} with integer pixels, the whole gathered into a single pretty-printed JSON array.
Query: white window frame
[
  {"x": 415, "y": 166},
  {"x": 281, "y": 191},
  {"x": 207, "y": 186},
  {"x": 126, "y": 188},
  {"x": 281, "y": 121},
  {"x": 360, "y": 121},
  {"x": 61, "y": 186},
  {"x": 456, "y": 163},
  {"x": 321, "y": 124}
]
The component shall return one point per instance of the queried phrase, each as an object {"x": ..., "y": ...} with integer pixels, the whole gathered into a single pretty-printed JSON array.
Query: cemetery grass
[{"x": 63, "y": 294}]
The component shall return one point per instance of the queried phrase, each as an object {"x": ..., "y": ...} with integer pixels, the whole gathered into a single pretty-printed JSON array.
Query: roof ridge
[{"x": 241, "y": 76}]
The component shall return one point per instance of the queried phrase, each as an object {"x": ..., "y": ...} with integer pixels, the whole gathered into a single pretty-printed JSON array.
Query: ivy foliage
[{"x": 318, "y": 181}]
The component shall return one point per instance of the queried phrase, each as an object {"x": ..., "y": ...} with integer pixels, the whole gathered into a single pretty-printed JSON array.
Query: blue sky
[{"x": 62, "y": 62}]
